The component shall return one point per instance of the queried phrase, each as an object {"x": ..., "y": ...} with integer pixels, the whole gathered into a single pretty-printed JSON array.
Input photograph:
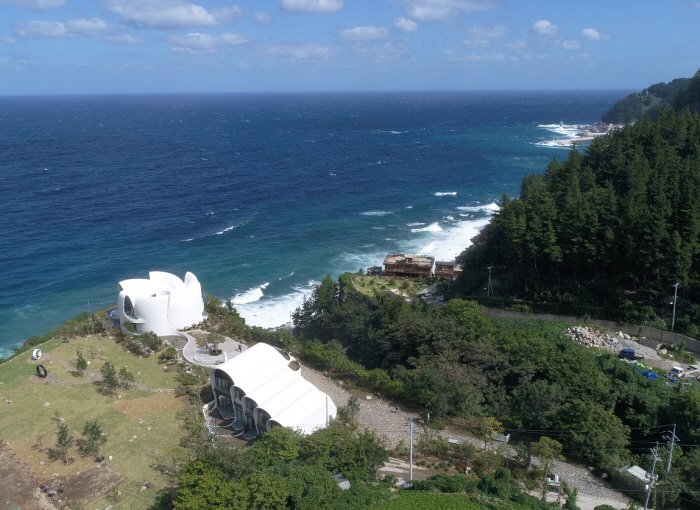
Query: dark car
[{"x": 630, "y": 354}]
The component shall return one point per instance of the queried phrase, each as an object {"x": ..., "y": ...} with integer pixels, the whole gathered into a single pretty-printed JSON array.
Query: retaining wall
[{"x": 652, "y": 336}]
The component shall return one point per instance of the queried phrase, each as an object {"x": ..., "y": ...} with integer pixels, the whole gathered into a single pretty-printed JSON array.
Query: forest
[
  {"x": 612, "y": 228},
  {"x": 523, "y": 377},
  {"x": 680, "y": 93}
]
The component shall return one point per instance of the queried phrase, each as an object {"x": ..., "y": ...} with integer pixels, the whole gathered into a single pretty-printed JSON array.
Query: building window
[
  {"x": 223, "y": 385},
  {"x": 225, "y": 402}
]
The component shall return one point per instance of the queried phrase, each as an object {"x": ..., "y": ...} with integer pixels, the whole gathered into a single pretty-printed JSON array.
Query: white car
[{"x": 426, "y": 296}]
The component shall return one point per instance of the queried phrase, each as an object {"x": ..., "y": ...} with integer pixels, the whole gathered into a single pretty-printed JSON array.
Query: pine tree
[
  {"x": 64, "y": 440},
  {"x": 94, "y": 438},
  {"x": 110, "y": 381},
  {"x": 81, "y": 364}
]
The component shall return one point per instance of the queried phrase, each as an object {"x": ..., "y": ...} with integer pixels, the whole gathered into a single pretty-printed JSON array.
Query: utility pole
[
  {"x": 93, "y": 327},
  {"x": 489, "y": 287},
  {"x": 655, "y": 453},
  {"x": 675, "y": 295},
  {"x": 673, "y": 440},
  {"x": 410, "y": 448}
]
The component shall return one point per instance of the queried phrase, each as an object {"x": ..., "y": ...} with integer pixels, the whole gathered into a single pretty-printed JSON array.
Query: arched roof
[{"x": 251, "y": 361}]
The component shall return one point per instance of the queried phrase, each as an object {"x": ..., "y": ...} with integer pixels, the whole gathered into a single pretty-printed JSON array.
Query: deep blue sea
[{"x": 260, "y": 196}]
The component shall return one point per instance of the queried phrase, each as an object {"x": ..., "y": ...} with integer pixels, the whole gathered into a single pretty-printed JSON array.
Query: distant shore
[{"x": 575, "y": 133}]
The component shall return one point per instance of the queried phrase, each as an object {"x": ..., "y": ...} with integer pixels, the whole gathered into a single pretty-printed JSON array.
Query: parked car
[{"x": 630, "y": 354}]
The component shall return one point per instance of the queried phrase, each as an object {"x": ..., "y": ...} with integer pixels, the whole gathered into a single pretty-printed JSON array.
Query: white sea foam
[
  {"x": 375, "y": 213},
  {"x": 442, "y": 243},
  {"x": 433, "y": 227},
  {"x": 447, "y": 243},
  {"x": 445, "y": 193},
  {"x": 451, "y": 218},
  {"x": 250, "y": 296},
  {"x": 416, "y": 224},
  {"x": 225, "y": 230},
  {"x": 476, "y": 208},
  {"x": 271, "y": 312}
]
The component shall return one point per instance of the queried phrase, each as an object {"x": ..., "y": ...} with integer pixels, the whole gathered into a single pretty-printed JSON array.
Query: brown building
[
  {"x": 399, "y": 265},
  {"x": 444, "y": 270}
]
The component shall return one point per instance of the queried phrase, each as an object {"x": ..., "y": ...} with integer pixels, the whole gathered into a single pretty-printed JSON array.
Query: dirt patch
[
  {"x": 20, "y": 489},
  {"x": 87, "y": 486},
  {"x": 146, "y": 406}
]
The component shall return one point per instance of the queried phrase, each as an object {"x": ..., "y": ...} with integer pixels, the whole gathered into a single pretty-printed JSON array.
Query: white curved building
[
  {"x": 261, "y": 391},
  {"x": 162, "y": 304}
]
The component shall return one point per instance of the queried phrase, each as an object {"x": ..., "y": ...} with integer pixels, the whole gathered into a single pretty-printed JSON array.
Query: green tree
[
  {"x": 81, "y": 364},
  {"x": 597, "y": 435},
  {"x": 281, "y": 444},
  {"x": 547, "y": 450},
  {"x": 348, "y": 412},
  {"x": 64, "y": 440},
  {"x": 216, "y": 338},
  {"x": 266, "y": 491},
  {"x": 94, "y": 438},
  {"x": 126, "y": 377},
  {"x": 110, "y": 381},
  {"x": 203, "y": 485}
]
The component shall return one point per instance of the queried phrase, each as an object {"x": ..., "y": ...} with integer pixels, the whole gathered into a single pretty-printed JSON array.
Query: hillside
[
  {"x": 679, "y": 94},
  {"x": 612, "y": 229}
]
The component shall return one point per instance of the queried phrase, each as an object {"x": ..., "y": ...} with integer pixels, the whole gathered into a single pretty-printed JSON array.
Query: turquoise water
[{"x": 260, "y": 196}]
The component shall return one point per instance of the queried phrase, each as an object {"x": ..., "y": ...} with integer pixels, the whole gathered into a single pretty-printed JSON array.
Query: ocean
[{"x": 259, "y": 195}]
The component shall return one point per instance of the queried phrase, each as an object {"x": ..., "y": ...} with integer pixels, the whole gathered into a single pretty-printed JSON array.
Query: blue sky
[{"x": 152, "y": 46}]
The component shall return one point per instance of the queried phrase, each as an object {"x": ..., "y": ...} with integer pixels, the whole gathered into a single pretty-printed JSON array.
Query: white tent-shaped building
[
  {"x": 261, "y": 391},
  {"x": 162, "y": 304}
]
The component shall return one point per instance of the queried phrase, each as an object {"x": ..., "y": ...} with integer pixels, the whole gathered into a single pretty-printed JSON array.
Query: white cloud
[
  {"x": 16, "y": 64},
  {"x": 483, "y": 35},
  {"x": 405, "y": 25},
  {"x": 545, "y": 28},
  {"x": 593, "y": 35},
  {"x": 440, "y": 10},
  {"x": 570, "y": 45},
  {"x": 58, "y": 29},
  {"x": 172, "y": 13},
  {"x": 198, "y": 43},
  {"x": 364, "y": 33},
  {"x": 124, "y": 39},
  {"x": 451, "y": 56},
  {"x": 298, "y": 51},
  {"x": 40, "y": 5},
  {"x": 262, "y": 18},
  {"x": 312, "y": 6},
  {"x": 8, "y": 40},
  {"x": 547, "y": 33}
]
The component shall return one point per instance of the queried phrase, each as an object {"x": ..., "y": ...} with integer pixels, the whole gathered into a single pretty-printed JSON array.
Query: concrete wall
[{"x": 653, "y": 336}]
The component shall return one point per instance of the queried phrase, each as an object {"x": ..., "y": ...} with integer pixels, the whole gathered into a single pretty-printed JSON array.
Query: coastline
[{"x": 575, "y": 133}]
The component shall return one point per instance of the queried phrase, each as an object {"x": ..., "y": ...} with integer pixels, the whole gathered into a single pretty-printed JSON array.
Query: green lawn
[
  {"x": 122, "y": 417},
  {"x": 368, "y": 284}
]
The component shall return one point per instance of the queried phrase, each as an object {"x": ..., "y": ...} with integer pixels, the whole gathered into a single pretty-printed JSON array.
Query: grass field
[
  {"x": 142, "y": 427},
  {"x": 369, "y": 284}
]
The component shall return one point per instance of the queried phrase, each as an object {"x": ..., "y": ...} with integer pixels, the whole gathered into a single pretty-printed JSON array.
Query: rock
[
  {"x": 45, "y": 404},
  {"x": 663, "y": 351},
  {"x": 368, "y": 397},
  {"x": 110, "y": 457},
  {"x": 8, "y": 401}
]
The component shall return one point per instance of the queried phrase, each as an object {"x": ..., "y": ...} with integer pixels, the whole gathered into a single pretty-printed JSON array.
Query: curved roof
[
  {"x": 250, "y": 362},
  {"x": 307, "y": 413},
  {"x": 272, "y": 385}
]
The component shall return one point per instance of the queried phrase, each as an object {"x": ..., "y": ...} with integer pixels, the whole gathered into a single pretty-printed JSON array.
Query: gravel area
[{"x": 381, "y": 416}]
